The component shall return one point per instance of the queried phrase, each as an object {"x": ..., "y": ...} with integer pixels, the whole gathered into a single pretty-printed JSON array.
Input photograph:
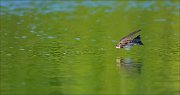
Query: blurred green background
[{"x": 68, "y": 47}]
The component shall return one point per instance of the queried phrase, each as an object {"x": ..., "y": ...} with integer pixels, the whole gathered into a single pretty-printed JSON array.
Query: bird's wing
[{"x": 128, "y": 37}]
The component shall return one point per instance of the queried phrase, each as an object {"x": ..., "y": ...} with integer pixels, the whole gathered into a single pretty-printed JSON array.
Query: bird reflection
[{"x": 128, "y": 65}]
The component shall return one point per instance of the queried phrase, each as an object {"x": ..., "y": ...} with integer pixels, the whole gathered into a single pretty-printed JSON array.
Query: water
[{"x": 68, "y": 47}]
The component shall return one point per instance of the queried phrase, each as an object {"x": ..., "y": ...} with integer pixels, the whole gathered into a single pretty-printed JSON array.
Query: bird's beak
[{"x": 117, "y": 46}]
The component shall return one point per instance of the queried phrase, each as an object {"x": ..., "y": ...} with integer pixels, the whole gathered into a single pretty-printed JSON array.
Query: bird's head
[{"x": 119, "y": 46}]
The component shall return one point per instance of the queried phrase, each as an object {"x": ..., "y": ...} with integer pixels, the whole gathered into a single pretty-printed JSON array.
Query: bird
[{"x": 128, "y": 41}]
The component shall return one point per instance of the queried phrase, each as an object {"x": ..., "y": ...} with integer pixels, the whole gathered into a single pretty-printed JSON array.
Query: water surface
[{"x": 68, "y": 47}]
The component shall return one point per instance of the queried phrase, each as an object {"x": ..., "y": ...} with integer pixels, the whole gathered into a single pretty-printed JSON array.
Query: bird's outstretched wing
[{"x": 128, "y": 37}]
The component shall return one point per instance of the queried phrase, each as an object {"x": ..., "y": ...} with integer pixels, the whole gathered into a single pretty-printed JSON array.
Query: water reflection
[
  {"x": 128, "y": 65},
  {"x": 55, "y": 81}
]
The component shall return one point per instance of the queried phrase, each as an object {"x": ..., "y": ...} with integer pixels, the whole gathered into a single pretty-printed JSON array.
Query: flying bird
[{"x": 128, "y": 41}]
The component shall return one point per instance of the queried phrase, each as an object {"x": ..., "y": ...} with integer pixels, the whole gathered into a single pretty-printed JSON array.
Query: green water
[{"x": 72, "y": 51}]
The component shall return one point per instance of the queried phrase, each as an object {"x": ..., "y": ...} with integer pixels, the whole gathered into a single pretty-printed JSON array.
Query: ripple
[
  {"x": 24, "y": 37},
  {"x": 11, "y": 47},
  {"x": 78, "y": 39},
  {"x": 51, "y": 37},
  {"x": 22, "y": 49},
  {"x": 38, "y": 35},
  {"x": 8, "y": 54},
  {"x": 160, "y": 19},
  {"x": 32, "y": 31},
  {"x": 18, "y": 22},
  {"x": 114, "y": 41}
]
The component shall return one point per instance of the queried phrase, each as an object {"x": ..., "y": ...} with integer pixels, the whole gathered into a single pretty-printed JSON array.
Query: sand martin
[{"x": 127, "y": 42}]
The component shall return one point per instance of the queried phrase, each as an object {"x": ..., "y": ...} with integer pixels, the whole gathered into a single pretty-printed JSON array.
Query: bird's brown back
[{"x": 128, "y": 38}]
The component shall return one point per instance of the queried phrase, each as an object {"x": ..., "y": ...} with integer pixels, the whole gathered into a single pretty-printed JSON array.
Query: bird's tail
[{"x": 137, "y": 40}]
